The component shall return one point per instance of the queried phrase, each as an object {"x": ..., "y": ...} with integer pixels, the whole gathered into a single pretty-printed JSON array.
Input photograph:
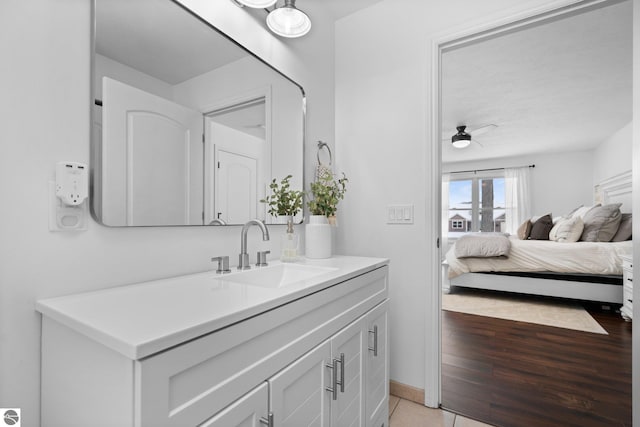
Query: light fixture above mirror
[
  {"x": 288, "y": 20},
  {"x": 285, "y": 21}
]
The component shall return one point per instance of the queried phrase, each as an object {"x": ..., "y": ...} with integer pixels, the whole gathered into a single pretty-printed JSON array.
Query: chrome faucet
[
  {"x": 243, "y": 259},
  {"x": 218, "y": 221}
]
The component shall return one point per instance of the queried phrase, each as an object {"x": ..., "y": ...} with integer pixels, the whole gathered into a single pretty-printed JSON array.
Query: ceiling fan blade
[
  {"x": 477, "y": 142},
  {"x": 483, "y": 129}
]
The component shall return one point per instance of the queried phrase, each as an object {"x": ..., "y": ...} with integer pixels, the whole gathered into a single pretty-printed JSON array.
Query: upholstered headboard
[{"x": 616, "y": 189}]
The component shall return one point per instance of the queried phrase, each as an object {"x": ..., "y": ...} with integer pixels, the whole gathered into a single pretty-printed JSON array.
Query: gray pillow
[
  {"x": 601, "y": 223},
  {"x": 524, "y": 230},
  {"x": 541, "y": 228},
  {"x": 624, "y": 230}
]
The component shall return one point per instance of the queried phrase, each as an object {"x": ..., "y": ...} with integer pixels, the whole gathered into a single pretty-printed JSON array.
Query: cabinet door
[
  {"x": 245, "y": 412},
  {"x": 298, "y": 394},
  {"x": 377, "y": 366},
  {"x": 349, "y": 346}
]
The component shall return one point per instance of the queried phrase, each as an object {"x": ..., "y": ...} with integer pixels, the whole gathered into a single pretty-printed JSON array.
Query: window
[{"x": 477, "y": 202}]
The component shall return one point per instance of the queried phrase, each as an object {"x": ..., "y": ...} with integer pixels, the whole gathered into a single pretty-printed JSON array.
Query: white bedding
[{"x": 544, "y": 255}]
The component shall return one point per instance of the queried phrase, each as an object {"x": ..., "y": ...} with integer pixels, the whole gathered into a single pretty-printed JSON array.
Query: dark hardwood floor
[{"x": 508, "y": 373}]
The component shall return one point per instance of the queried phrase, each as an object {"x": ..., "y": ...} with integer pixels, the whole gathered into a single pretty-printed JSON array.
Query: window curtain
[
  {"x": 444, "y": 217},
  {"x": 517, "y": 185}
]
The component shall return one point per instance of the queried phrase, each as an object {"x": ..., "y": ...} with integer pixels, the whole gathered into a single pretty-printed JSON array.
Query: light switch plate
[{"x": 400, "y": 214}]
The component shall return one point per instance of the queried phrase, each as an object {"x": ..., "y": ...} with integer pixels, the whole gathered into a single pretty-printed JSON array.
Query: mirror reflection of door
[
  {"x": 236, "y": 189},
  {"x": 154, "y": 174},
  {"x": 239, "y": 163}
]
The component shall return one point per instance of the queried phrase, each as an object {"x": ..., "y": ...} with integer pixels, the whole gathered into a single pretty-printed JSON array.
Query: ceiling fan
[{"x": 462, "y": 138}]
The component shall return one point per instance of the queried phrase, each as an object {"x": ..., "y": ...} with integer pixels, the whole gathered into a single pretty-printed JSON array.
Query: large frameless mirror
[{"x": 189, "y": 128}]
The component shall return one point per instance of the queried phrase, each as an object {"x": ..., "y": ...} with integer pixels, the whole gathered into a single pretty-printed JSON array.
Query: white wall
[
  {"x": 108, "y": 67},
  {"x": 613, "y": 156},
  {"x": 44, "y": 82},
  {"x": 560, "y": 182},
  {"x": 383, "y": 95}
]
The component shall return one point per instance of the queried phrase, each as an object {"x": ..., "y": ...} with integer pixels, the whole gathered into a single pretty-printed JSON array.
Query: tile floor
[{"x": 404, "y": 413}]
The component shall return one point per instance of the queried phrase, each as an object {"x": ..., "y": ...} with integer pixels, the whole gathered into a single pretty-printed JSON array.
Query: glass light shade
[
  {"x": 257, "y": 4},
  {"x": 461, "y": 143},
  {"x": 288, "y": 21}
]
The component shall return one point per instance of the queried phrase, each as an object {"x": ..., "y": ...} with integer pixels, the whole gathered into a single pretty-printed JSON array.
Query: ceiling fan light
[
  {"x": 289, "y": 21},
  {"x": 460, "y": 143},
  {"x": 461, "y": 139},
  {"x": 257, "y": 4}
]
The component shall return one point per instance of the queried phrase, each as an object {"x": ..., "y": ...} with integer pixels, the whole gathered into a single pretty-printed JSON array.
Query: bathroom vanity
[{"x": 284, "y": 345}]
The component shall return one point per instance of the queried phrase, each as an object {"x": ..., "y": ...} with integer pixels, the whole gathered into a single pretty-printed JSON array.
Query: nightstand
[{"x": 627, "y": 288}]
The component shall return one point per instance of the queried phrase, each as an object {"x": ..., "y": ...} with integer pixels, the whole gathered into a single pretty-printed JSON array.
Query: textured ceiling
[{"x": 559, "y": 86}]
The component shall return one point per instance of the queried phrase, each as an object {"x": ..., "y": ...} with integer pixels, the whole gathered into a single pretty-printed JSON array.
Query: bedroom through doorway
[{"x": 536, "y": 121}]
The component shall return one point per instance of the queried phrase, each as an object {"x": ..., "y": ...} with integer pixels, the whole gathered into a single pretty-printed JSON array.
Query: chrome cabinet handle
[
  {"x": 267, "y": 421},
  {"x": 375, "y": 341},
  {"x": 334, "y": 379},
  {"x": 341, "y": 361}
]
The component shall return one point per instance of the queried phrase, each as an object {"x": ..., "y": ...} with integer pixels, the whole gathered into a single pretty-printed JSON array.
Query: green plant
[
  {"x": 283, "y": 200},
  {"x": 326, "y": 193}
]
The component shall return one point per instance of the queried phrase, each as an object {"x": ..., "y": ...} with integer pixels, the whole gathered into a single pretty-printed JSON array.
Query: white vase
[{"x": 317, "y": 237}]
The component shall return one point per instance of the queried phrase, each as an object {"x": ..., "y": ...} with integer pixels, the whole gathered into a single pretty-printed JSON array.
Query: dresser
[{"x": 627, "y": 278}]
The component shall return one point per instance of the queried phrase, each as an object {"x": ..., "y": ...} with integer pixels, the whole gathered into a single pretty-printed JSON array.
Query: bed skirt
[{"x": 601, "y": 288}]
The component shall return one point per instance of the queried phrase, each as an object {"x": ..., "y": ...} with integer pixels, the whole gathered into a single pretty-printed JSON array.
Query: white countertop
[{"x": 142, "y": 319}]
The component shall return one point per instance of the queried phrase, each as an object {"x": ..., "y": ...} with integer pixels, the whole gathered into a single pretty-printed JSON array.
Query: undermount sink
[{"x": 278, "y": 276}]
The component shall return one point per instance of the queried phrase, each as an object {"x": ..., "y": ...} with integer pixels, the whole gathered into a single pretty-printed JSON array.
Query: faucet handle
[
  {"x": 223, "y": 264},
  {"x": 262, "y": 259}
]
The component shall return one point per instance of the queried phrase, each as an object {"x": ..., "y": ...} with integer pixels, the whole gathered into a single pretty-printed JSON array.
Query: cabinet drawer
[{"x": 188, "y": 384}]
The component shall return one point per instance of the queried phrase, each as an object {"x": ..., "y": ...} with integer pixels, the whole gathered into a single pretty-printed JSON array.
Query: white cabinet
[
  {"x": 248, "y": 411},
  {"x": 342, "y": 382},
  {"x": 347, "y": 351},
  {"x": 627, "y": 288},
  {"x": 299, "y": 394},
  {"x": 280, "y": 364},
  {"x": 377, "y": 367}
]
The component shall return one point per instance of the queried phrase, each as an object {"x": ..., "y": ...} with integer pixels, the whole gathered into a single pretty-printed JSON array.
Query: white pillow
[
  {"x": 582, "y": 211},
  {"x": 567, "y": 230}
]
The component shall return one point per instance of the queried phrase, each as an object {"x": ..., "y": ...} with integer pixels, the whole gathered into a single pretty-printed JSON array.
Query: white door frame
[
  {"x": 210, "y": 110},
  {"x": 492, "y": 27}
]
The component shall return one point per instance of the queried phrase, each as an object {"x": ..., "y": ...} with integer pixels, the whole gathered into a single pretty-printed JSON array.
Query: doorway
[
  {"x": 447, "y": 121},
  {"x": 237, "y": 160}
]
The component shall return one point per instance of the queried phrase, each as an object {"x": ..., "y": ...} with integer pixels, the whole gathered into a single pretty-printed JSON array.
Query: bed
[{"x": 579, "y": 270}]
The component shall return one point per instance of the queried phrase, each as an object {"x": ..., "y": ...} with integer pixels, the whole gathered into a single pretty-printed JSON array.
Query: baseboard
[{"x": 406, "y": 392}]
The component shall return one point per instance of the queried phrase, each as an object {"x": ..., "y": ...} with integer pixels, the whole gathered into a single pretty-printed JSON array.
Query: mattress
[{"x": 543, "y": 255}]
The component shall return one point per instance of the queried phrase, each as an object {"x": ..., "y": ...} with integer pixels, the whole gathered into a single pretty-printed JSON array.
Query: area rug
[{"x": 528, "y": 309}]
